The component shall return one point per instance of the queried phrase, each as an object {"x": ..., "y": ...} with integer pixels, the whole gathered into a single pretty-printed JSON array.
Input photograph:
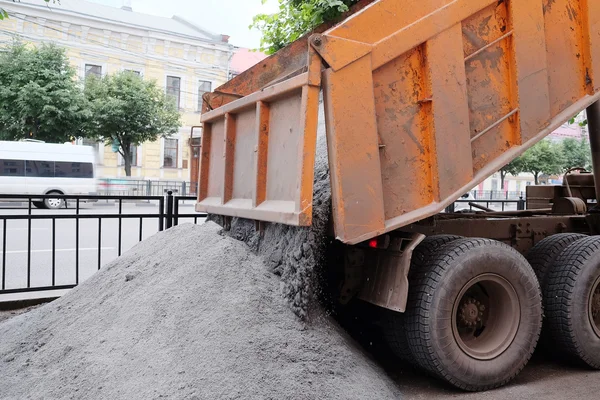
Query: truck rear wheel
[
  {"x": 475, "y": 314},
  {"x": 394, "y": 322},
  {"x": 543, "y": 254},
  {"x": 572, "y": 299}
]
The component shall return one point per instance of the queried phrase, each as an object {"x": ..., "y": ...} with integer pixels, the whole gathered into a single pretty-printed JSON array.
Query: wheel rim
[
  {"x": 594, "y": 307},
  {"x": 486, "y": 316},
  {"x": 54, "y": 203}
]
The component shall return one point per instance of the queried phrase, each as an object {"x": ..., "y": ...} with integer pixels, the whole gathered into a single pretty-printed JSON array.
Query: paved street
[{"x": 91, "y": 251}]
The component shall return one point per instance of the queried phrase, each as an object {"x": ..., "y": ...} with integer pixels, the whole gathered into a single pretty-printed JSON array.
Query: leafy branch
[{"x": 294, "y": 19}]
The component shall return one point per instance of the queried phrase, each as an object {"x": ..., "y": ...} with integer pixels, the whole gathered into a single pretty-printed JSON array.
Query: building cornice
[{"x": 56, "y": 14}]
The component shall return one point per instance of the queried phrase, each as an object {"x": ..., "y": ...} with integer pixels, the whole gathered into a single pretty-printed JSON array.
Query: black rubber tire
[
  {"x": 544, "y": 253},
  {"x": 394, "y": 329},
  {"x": 429, "y": 318},
  {"x": 566, "y": 296},
  {"x": 38, "y": 204}
]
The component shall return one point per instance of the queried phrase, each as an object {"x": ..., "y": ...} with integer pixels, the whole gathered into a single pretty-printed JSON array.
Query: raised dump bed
[{"x": 423, "y": 100}]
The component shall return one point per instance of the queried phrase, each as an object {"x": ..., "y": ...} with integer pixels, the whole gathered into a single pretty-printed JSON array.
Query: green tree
[
  {"x": 128, "y": 111},
  {"x": 576, "y": 153},
  {"x": 294, "y": 19},
  {"x": 544, "y": 158},
  {"x": 515, "y": 167},
  {"x": 39, "y": 96}
]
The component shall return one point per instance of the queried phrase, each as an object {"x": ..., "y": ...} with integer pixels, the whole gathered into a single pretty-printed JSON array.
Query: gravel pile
[
  {"x": 187, "y": 314},
  {"x": 296, "y": 254}
]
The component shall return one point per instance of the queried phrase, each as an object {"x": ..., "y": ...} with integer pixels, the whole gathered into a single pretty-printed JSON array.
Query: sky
[{"x": 228, "y": 17}]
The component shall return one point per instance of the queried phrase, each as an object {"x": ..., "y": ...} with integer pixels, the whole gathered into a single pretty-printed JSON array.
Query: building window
[
  {"x": 95, "y": 70},
  {"x": 133, "y": 153},
  {"x": 91, "y": 143},
  {"x": 132, "y": 71},
  {"x": 203, "y": 87},
  {"x": 174, "y": 88},
  {"x": 170, "y": 153}
]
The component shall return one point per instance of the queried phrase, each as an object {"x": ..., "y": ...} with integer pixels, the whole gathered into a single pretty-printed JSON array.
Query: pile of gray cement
[
  {"x": 187, "y": 314},
  {"x": 295, "y": 254}
]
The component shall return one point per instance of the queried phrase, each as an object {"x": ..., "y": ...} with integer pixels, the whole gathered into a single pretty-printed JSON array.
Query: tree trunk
[
  {"x": 536, "y": 177},
  {"x": 126, "y": 153},
  {"x": 128, "y": 167},
  {"x": 502, "y": 178}
]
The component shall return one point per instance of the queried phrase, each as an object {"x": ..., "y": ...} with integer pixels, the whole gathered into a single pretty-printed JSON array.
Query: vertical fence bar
[
  {"x": 53, "y": 251},
  {"x": 120, "y": 224},
  {"x": 4, "y": 254},
  {"x": 176, "y": 212},
  {"x": 76, "y": 241},
  {"x": 29, "y": 246},
  {"x": 149, "y": 188},
  {"x": 169, "y": 209},
  {"x": 161, "y": 214},
  {"x": 141, "y": 229},
  {"x": 99, "y": 243}
]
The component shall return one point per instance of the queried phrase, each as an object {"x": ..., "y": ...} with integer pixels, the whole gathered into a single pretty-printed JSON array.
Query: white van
[{"x": 32, "y": 168}]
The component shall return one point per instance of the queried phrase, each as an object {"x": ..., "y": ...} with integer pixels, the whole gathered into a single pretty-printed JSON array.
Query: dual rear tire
[
  {"x": 474, "y": 312},
  {"x": 572, "y": 302}
]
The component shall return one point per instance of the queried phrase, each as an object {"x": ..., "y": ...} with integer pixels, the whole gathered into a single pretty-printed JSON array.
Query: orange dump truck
[{"x": 422, "y": 101}]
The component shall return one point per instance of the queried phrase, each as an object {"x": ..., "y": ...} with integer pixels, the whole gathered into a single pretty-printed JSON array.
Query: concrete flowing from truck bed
[
  {"x": 186, "y": 314},
  {"x": 296, "y": 254}
]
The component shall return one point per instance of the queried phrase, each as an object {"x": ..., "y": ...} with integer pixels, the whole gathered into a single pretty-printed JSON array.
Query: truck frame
[{"x": 422, "y": 102}]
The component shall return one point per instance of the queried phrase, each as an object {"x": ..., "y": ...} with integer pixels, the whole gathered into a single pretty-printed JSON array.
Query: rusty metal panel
[
  {"x": 258, "y": 155},
  {"x": 353, "y": 148},
  {"x": 424, "y": 100},
  {"x": 449, "y": 131},
  {"x": 461, "y": 88}
]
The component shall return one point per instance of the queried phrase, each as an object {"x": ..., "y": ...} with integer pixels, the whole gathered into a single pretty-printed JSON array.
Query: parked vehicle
[
  {"x": 422, "y": 102},
  {"x": 31, "y": 167}
]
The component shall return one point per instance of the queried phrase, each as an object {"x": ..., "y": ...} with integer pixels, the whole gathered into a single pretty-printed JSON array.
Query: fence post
[
  {"x": 149, "y": 188},
  {"x": 175, "y": 211},
  {"x": 451, "y": 208},
  {"x": 183, "y": 188},
  {"x": 169, "y": 213},
  {"x": 521, "y": 204}
]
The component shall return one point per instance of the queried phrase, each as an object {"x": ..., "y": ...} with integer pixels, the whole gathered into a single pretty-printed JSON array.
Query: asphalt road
[{"x": 92, "y": 251}]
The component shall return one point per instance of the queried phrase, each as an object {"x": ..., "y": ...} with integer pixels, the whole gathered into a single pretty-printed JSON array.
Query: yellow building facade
[{"x": 181, "y": 57}]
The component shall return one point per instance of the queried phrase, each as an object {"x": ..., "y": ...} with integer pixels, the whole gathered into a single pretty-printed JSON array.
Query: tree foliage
[
  {"x": 576, "y": 153},
  {"x": 129, "y": 111},
  {"x": 39, "y": 96},
  {"x": 513, "y": 168},
  {"x": 546, "y": 158},
  {"x": 294, "y": 19}
]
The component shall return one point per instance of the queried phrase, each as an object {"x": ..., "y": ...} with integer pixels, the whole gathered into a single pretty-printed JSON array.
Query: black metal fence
[
  {"x": 164, "y": 211},
  {"x": 487, "y": 205},
  {"x": 495, "y": 195},
  {"x": 128, "y": 218},
  {"x": 142, "y": 187}
]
